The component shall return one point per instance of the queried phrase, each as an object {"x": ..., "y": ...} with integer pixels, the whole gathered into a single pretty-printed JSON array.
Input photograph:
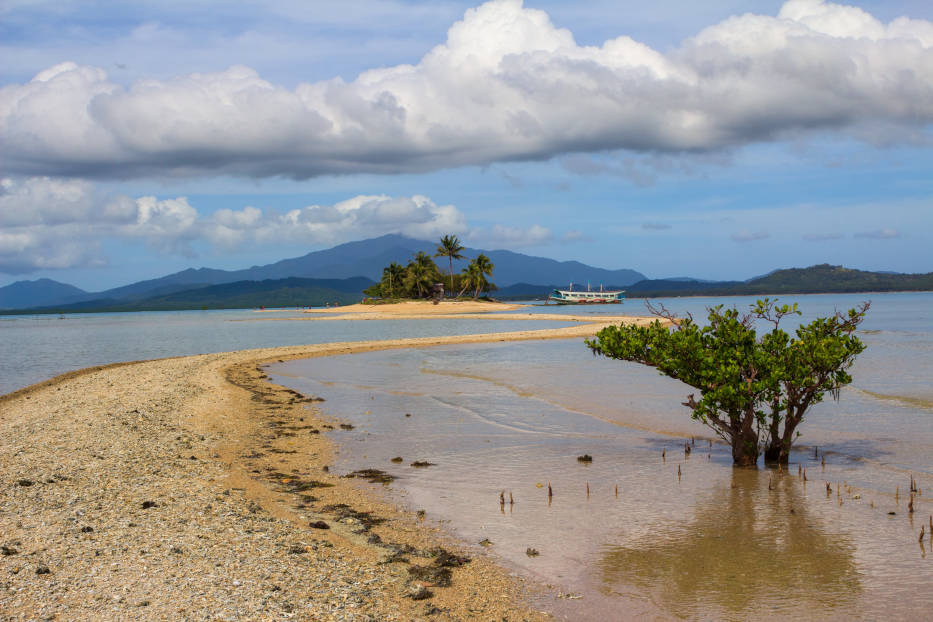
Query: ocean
[
  {"x": 645, "y": 526},
  {"x": 37, "y": 347}
]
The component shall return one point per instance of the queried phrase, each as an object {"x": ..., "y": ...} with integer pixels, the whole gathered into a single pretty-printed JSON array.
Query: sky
[{"x": 718, "y": 140}]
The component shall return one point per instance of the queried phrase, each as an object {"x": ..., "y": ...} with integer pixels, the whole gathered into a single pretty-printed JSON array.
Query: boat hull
[
  {"x": 561, "y": 301},
  {"x": 570, "y": 297}
]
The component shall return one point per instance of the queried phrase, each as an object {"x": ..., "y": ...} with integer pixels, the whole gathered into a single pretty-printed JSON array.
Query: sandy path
[
  {"x": 550, "y": 317},
  {"x": 423, "y": 307},
  {"x": 183, "y": 489}
]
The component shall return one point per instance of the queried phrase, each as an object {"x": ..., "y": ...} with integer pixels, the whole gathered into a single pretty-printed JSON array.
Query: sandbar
[
  {"x": 187, "y": 488},
  {"x": 422, "y": 307}
]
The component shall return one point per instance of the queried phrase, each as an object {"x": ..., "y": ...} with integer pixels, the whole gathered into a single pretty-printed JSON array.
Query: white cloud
[
  {"x": 506, "y": 85},
  {"x": 54, "y": 223},
  {"x": 359, "y": 217}
]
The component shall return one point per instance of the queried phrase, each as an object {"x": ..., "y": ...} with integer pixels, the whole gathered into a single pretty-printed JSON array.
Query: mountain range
[
  {"x": 364, "y": 258},
  {"x": 341, "y": 273}
]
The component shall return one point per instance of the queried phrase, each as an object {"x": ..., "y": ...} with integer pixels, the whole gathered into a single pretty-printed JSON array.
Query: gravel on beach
[{"x": 186, "y": 489}]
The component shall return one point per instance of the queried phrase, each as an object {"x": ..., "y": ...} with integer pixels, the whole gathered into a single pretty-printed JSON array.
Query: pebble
[{"x": 117, "y": 444}]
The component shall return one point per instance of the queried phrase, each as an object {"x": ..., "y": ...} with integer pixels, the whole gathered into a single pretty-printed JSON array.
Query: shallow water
[
  {"x": 37, "y": 347},
  {"x": 713, "y": 543}
]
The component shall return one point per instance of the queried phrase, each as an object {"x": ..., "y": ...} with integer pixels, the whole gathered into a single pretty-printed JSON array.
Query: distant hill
[
  {"x": 364, "y": 258},
  {"x": 37, "y": 293},
  {"x": 368, "y": 257},
  {"x": 291, "y": 292},
  {"x": 823, "y": 278},
  {"x": 819, "y": 279},
  {"x": 838, "y": 279},
  {"x": 342, "y": 272}
]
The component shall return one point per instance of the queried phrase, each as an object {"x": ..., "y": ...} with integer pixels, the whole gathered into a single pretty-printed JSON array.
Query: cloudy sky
[{"x": 719, "y": 139}]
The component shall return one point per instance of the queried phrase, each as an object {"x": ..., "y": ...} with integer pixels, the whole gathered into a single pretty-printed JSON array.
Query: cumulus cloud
[
  {"x": 54, "y": 223},
  {"x": 43, "y": 224},
  {"x": 749, "y": 236},
  {"x": 506, "y": 85},
  {"x": 879, "y": 234},
  {"x": 359, "y": 217}
]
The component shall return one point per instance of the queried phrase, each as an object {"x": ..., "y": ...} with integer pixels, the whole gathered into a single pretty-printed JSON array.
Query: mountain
[
  {"x": 37, "y": 293},
  {"x": 363, "y": 258},
  {"x": 511, "y": 268},
  {"x": 823, "y": 278},
  {"x": 368, "y": 257},
  {"x": 291, "y": 292},
  {"x": 827, "y": 278},
  {"x": 517, "y": 276}
]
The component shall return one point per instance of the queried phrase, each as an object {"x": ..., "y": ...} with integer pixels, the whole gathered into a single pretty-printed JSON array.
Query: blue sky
[{"x": 719, "y": 140}]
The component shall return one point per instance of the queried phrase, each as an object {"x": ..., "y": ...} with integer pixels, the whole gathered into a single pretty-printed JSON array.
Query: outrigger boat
[{"x": 570, "y": 297}]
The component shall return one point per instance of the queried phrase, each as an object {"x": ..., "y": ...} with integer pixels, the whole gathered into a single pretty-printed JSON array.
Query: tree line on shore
[{"x": 417, "y": 278}]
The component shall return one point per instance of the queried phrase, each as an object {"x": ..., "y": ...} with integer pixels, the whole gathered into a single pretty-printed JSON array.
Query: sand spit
[
  {"x": 188, "y": 488},
  {"x": 549, "y": 317},
  {"x": 427, "y": 310},
  {"x": 423, "y": 307}
]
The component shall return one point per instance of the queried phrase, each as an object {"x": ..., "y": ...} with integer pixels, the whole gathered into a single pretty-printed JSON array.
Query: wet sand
[
  {"x": 644, "y": 527},
  {"x": 186, "y": 488},
  {"x": 422, "y": 307}
]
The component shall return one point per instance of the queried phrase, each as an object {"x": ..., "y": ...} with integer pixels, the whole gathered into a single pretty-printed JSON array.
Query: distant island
[
  {"x": 819, "y": 279},
  {"x": 349, "y": 272}
]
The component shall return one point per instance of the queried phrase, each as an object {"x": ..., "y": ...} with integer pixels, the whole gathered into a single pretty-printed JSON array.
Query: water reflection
[{"x": 749, "y": 552}]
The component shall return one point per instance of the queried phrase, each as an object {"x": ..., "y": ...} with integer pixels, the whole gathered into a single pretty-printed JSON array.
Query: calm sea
[
  {"x": 37, "y": 347},
  {"x": 674, "y": 536}
]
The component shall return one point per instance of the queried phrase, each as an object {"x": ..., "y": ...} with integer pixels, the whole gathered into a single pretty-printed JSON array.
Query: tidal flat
[
  {"x": 644, "y": 527},
  {"x": 192, "y": 488},
  {"x": 173, "y": 489}
]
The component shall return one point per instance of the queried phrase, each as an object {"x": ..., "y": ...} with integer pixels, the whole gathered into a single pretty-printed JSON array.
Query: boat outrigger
[{"x": 570, "y": 297}]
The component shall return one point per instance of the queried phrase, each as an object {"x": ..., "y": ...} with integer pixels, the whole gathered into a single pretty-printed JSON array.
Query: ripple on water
[{"x": 713, "y": 542}]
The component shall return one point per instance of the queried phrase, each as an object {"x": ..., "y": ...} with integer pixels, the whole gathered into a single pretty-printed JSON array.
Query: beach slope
[{"x": 187, "y": 488}]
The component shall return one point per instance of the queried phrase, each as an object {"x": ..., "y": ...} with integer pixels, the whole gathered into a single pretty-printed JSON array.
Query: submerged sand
[
  {"x": 423, "y": 307},
  {"x": 427, "y": 310},
  {"x": 186, "y": 488}
]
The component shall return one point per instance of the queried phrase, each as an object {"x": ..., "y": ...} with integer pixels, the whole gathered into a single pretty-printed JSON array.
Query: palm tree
[
  {"x": 393, "y": 276},
  {"x": 421, "y": 274},
  {"x": 468, "y": 277},
  {"x": 450, "y": 248},
  {"x": 485, "y": 268},
  {"x": 474, "y": 275}
]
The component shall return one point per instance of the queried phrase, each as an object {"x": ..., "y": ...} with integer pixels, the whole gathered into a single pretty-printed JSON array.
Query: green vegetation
[
  {"x": 754, "y": 391},
  {"x": 417, "y": 278},
  {"x": 450, "y": 248},
  {"x": 819, "y": 279},
  {"x": 291, "y": 292},
  {"x": 474, "y": 276}
]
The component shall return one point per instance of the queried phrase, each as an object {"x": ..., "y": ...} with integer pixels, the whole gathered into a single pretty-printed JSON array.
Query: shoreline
[
  {"x": 179, "y": 488},
  {"x": 363, "y": 317}
]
